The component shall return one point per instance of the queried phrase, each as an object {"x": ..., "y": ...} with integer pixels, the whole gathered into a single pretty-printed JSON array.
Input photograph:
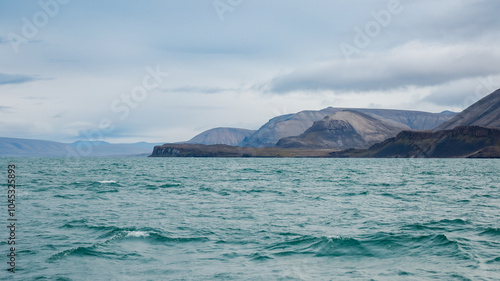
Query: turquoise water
[{"x": 254, "y": 219}]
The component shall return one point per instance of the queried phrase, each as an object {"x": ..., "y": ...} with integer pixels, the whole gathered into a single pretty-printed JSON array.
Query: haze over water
[{"x": 257, "y": 219}]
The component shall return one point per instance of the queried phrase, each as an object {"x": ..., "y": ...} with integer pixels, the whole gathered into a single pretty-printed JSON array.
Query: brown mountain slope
[
  {"x": 291, "y": 125},
  {"x": 229, "y": 136},
  {"x": 485, "y": 113},
  {"x": 344, "y": 129}
]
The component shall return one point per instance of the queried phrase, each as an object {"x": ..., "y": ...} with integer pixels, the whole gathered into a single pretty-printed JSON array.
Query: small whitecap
[
  {"x": 137, "y": 234},
  {"x": 109, "y": 181}
]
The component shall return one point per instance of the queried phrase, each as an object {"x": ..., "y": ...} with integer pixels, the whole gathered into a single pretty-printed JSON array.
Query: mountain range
[
  {"x": 15, "y": 147},
  {"x": 291, "y": 125},
  {"x": 295, "y": 124},
  {"x": 268, "y": 135},
  {"x": 360, "y": 132},
  {"x": 475, "y": 132}
]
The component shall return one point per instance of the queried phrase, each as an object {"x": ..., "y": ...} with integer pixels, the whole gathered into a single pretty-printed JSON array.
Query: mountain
[
  {"x": 295, "y": 124},
  {"x": 461, "y": 142},
  {"x": 283, "y": 126},
  {"x": 342, "y": 130},
  {"x": 102, "y": 148},
  {"x": 15, "y": 147},
  {"x": 229, "y": 136},
  {"x": 485, "y": 113}
]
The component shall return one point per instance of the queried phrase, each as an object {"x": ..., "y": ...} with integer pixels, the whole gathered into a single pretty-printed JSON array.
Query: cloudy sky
[{"x": 163, "y": 71}]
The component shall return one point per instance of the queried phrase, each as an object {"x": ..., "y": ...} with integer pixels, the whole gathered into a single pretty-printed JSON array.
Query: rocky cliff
[
  {"x": 222, "y": 150},
  {"x": 461, "y": 142}
]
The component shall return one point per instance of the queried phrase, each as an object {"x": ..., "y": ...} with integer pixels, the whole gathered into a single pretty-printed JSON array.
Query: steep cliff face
[
  {"x": 222, "y": 150},
  {"x": 342, "y": 130},
  {"x": 295, "y": 124},
  {"x": 462, "y": 141},
  {"x": 229, "y": 136},
  {"x": 485, "y": 113}
]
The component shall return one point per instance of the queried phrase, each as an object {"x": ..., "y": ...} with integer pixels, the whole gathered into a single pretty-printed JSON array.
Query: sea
[{"x": 252, "y": 219}]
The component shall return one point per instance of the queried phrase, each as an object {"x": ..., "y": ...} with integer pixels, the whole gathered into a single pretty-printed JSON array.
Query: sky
[{"x": 164, "y": 71}]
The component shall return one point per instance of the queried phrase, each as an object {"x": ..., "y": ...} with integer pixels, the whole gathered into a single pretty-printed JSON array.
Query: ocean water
[{"x": 254, "y": 219}]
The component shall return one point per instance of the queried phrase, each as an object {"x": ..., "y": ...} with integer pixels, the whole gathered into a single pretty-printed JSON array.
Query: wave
[
  {"x": 260, "y": 190},
  {"x": 137, "y": 234},
  {"x": 320, "y": 246},
  {"x": 380, "y": 245},
  {"x": 68, "y": 196},
  {"x": 110, "y": 233},
  {"x": 248, "y": 171},
  {"x": 113, "y": 232},
  {"x": 100, "y": 170},
  {"x": 259, "y": 257},
  {"x": 392, "y": 195},
  {"x": 93, "y": 251},
  {"x": 444, "y": 224},
  {"x": 490, "y": 232},
  {"x": 165, "y": 185},
  {"x": 494, "y": 261},
  {"x": 104, "y": 183},
  {"x": 151, "y": 234},
  {"x": 429, "y": 173},
  {"x": 357, "y": 193},
  {"x": 104, "y": 186},
  {"x": 113, "y": 235},
  {"x": 107, "y": 181}
]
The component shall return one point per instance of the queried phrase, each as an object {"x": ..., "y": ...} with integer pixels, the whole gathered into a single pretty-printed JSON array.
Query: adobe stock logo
[
  {"x": 31, "y": 27},
  {"x": 224, "y": 6},
  {"x": 372, "y": 29}
]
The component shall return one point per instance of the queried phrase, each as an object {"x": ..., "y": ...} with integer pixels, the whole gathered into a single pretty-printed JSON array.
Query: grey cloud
[
  {"x": 452, "y": 95},
  {"x": 463, "y": 93},
  {"x": 36, "y": 98},
  {"x": 210, "y": 50},
  {"x": 414, "y": 64},
  {"x": 202, "y": 90},
  {"x": 14, "y": 79},
  {"x": 449, "y": 20}
]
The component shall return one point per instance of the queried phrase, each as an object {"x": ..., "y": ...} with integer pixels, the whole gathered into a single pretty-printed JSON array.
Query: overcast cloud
[
  {"x": 74, "y": 69},
  {"x": 14, "y": 79}
]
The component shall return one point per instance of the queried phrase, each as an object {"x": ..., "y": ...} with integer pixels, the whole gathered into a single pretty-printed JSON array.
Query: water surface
[{"x": 256, "y": 219}]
